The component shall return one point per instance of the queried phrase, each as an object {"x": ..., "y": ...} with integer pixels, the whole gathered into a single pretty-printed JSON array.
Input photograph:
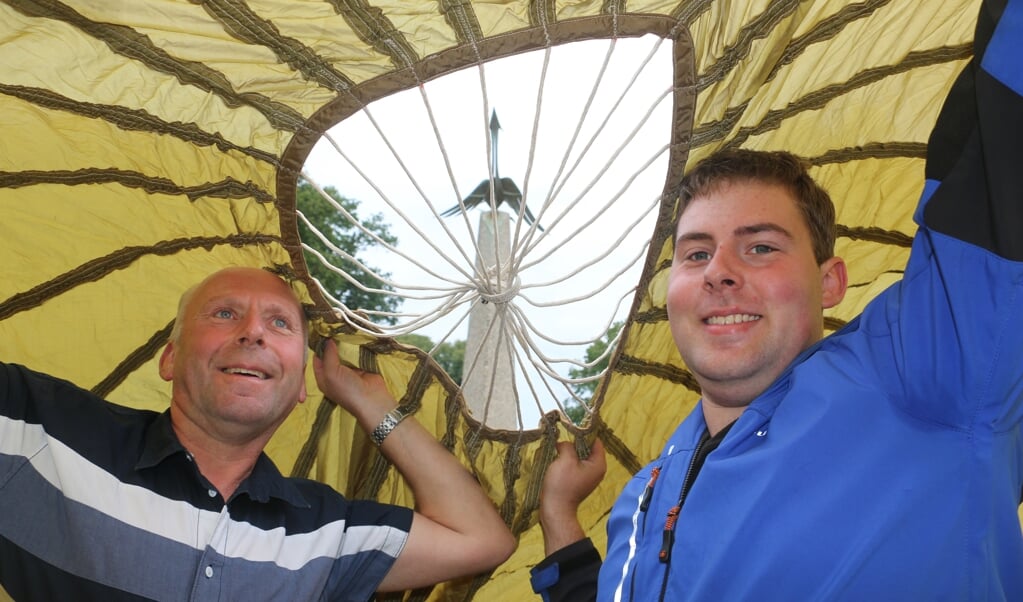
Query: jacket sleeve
[
  {"x": 956, "y": 315},
  {"x": 974, "y": 153},
  {"x": 569, "y": 575}
]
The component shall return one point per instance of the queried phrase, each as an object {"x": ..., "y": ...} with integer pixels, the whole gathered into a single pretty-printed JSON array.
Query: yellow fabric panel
[
  {"x": 225, "y": 110},
  {"x": 587, "y": 8},
  {"x": 879, "y": 202},
  {"x": 107, "y": 79},
  {"x": 331, "y": 36},
  {"x": 52, "y": 217},
  {"x": 62, "y": 142},
  {"x": 423, "y": 26}
]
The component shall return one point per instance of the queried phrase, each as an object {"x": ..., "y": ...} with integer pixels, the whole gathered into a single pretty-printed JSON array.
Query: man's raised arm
[{"x": 456, "y": 530}]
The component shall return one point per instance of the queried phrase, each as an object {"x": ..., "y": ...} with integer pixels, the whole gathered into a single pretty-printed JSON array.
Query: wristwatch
[{"x": 391, "y": 420}]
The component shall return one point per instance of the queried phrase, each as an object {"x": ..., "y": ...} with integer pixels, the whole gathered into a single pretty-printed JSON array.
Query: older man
[{"x": 105, "y": 502}]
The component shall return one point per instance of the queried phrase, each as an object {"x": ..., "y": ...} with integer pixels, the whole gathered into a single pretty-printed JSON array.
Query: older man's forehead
[{"x": 233, "y": 285}]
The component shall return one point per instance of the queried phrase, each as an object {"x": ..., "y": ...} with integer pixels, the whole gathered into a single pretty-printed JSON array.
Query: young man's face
[
  {"x": 745, "y": 294},
  {"x": 238, "y": 366}
]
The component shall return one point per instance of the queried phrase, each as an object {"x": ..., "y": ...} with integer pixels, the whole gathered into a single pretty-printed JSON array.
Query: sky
[{"x": 595, "y": 197}]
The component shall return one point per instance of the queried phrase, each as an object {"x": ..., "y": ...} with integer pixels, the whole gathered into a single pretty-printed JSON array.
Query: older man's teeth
[
  {"x": 245, "y": 372},
  {"x": 732, "y": 319}
]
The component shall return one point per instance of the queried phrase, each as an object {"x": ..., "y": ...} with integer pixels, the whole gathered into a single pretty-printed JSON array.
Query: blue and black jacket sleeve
[
  {"x": 568, "y": 575},
  {"x": 975, "y": 151}
]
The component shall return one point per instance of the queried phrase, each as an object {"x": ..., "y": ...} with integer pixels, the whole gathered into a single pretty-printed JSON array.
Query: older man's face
[{"x": 238, "y": 366}]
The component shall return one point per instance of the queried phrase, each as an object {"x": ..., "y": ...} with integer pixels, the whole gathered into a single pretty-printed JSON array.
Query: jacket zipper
[{"x": 668, "y": 535}]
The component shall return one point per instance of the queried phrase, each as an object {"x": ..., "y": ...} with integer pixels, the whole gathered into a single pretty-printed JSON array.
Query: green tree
[
  {"x": 573, "y": 409},
  {"x": 353, "y": 241},
  {"x": 450, "y": 356}
]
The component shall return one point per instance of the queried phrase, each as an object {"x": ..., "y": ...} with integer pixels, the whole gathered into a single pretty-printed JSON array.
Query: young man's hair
[{"x": 771, "y": 167}]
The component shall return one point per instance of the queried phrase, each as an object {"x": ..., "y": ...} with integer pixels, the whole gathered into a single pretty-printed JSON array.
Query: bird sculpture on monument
[{"x": 504, "y": 189}]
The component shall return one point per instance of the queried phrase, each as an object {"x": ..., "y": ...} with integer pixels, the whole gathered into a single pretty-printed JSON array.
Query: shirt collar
[{"x": 263, "y": 483}]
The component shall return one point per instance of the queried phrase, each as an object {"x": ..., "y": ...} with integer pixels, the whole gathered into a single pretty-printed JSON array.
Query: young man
[
  {"x": 884, "y": 462},
  {"x": 102, "y": 502}
]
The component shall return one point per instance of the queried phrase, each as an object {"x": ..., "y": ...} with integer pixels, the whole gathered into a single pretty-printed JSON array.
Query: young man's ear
[
  {"x": 834, "y": 280},
  {"x": 167, "y": 362}
]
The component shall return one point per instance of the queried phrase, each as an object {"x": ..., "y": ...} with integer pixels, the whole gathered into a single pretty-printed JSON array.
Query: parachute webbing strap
[
  {"x": 654, "y": 314},
  {"x": 228, "y": 188},
  {"x": 619, "y": 450},
  {"x": 757, "y": 28},
  {"x": 872, "y": 150},
  {"x": 634, "y": 365},
  {"x": 544, "y": 456},
  {"x": 131, "y": 119},
  {"x": 831, "y": 323},
  {"x": 370, "y": 484},
  {"x": 134, "y": 361},
  {"x": 473, "y": 444},
  {"x": 875, "y": 234},
  {"x": 453, "y": 405},
  {"x": 365, "y": 479},
  {"x": 97, "y": 268},
  {"x": 826, "y": 29},
  {"x": 820, "y": 98},
  {"x": 136, "y": 46},
  {"x": 304, "y": 462},
  {"x": 510, "y": 474},
  {"x": 246, "y": 25}
]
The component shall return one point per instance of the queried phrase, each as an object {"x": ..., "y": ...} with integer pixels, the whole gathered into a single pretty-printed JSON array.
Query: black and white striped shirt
[{"x": 101, "y": 502}]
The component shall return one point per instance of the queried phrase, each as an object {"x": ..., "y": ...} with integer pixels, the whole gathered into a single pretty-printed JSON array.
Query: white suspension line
[
  {"x": 532, "y": 389},
  {"x": 537, "y": 112},
  {"x": 603, "y": 356},
  {"x": 451, "y": 300},
  {"x": 440, "y": 292},
  {"x": 427, "y": 318},
  {"x": 591, "y": 220},
  {"x": 555, "y": 188},
  {"x": 344, "y": 212},
  {"x": 394, "y": 207},
  {"x": 626, "y": 266},
  {"x": 447, "y": 335},
  {"x": 412, "y": 180},
  {"x": 454, "y": 184},
  {"x": 541, "y": 362},
  {"x": 561, "y": 178},
  {"x": 617, "y": 152},
  {"x": 539, "y": 333},
  {"x": 330, "y": 266}
]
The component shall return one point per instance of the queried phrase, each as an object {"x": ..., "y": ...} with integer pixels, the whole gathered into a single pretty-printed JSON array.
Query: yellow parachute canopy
[{"x": 147, "y": 143}]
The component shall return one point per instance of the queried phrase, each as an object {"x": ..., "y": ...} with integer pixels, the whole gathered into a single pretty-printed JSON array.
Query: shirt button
[
  {"x": 209, "y": 572},
  {"x": 212, "y": 492},
  {"x": 188, "y": 456}
]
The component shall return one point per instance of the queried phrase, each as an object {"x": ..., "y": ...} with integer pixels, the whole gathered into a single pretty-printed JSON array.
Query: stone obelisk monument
[{"x": 488, "y": 382}]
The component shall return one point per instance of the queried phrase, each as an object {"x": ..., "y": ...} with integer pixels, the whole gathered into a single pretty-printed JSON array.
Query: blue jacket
[{"x": 887, "y": 462}]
